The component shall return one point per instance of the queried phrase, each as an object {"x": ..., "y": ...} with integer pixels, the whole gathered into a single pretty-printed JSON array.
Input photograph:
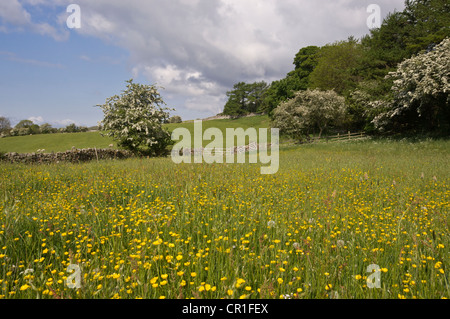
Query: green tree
[
  {"x": 245, "y": 98},
  {"x": 420, "y": 26},
  {"x": 386, "y": 46},
  {"x": 337, "y": 67},
  {"x": 429, "y": 22},
  {"x": 34, "y": 129},
  {"x": 24, "y": 124},
  {"x": 256, "y": 94},
  {"x": 175, "y": 119},
  {"x": 237, "y": 98},
  {"x": 305, "y": 62},
  {"x": 46, "y": 128},
  {"x": 298, "y": 79},
  {"x": 134, "y": 119},
  {"x": 5, "y": 125},
  {"x": 71, "y": 128}
]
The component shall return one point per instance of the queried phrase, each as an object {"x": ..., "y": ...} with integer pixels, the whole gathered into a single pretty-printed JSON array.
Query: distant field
[
  {"x": 257, "y": 122},
  {"x": 58, "y": 142},
  {"x": 61, "y": 142}
]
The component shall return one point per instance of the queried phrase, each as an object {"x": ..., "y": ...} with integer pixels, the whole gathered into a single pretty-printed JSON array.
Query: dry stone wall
[{"x": 73, "y": 156}]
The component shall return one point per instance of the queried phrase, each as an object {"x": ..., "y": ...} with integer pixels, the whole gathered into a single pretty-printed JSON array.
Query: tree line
[
  {"x": 27, "y": 127},
  {"x": 393, "y": 80}
]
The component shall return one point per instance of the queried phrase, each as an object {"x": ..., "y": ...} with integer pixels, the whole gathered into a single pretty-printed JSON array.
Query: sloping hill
[{"x": 60, "y": 142}]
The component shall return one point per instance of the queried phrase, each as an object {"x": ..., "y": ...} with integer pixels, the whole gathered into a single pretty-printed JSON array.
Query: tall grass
[{"x": 148, "y": 228}]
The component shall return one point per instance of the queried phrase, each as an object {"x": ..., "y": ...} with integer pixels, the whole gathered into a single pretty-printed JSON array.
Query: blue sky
[
  {"x": 49, "y": 79},
  {"x": 195, "y": 49}
]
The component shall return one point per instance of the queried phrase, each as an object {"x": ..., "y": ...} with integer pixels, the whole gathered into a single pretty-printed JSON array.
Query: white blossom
[
  {"x": 135, "y": 118},
  {"x": 420, "y": 83}
]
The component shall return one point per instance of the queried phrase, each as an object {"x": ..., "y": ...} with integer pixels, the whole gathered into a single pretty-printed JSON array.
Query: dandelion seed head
[{"x": 271, "y": 223}]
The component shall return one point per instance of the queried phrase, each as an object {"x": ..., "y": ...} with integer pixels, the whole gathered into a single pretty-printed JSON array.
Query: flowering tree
[
  {"x": 309, "y": 110},
  {"x": 135, "y": 119},
  {"x": 420, "y": 93}
]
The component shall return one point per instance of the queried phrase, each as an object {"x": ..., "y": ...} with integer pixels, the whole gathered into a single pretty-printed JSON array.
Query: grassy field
[
  {"x": 58, "y": 142},
  {"x": 61, "y": 142},
  {"x": 256, "y": 122},
  {"x": 149, "y": 228}
]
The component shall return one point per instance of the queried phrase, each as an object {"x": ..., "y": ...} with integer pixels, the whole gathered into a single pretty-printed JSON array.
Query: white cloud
[
  {"x": 37, "y": 119},
  {"x": 221, "y": 42},
  {"x": 47, "y": 29},
  {"x": 62, "y": 123},
  {"x": 16, "y": 17},
  {"x": 209, "y": 104},
  {"x": 198, "y": 49},
  {"x": 12, "y": 12}
]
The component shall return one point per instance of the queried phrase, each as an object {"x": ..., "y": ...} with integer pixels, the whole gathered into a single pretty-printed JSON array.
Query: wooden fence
[{"x": 340, "y": 137}]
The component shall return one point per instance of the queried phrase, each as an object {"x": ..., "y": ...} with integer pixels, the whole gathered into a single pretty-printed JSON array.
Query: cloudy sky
[{"x": 51, "y": 71}]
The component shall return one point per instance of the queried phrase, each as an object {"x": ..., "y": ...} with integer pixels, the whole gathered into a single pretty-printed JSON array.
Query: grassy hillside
[
  {"x": 64, "y": 141},
  {"x": 58, "y": 142},
  {"x": 257, "y": 122}
]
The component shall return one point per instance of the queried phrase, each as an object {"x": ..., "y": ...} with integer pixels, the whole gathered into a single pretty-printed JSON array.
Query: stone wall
[{"x": 73, "y": 156}]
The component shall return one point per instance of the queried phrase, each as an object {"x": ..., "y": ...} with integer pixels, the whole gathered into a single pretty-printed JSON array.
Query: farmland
[
  {"x": 57, "y": 142},
  {"x": 149, "y": 228},
  {"x": 60, "y": 142}
]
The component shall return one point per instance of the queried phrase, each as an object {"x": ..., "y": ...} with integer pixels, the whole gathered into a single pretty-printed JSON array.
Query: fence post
[{"x": 349, "y": 135}]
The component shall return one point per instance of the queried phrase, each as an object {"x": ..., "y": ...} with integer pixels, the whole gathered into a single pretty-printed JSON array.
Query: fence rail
[
  {"x": 340, "y": 137},
  {"x": 253, "y": 146}
]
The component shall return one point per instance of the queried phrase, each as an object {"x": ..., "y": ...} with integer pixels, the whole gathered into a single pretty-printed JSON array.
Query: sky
[{"x": 57, "y": 63}]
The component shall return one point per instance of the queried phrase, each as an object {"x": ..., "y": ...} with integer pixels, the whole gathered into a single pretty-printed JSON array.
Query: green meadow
[
  {"x": 57, "y": 142},
  {"x": 60, "y": 142},
  {"x": 360, "y": 219}
]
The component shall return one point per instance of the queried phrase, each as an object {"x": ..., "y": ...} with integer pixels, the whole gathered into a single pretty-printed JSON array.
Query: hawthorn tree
[
  {"x": 309, "y": 110},
  {"x": 134, "y": 119},
  {"x": 419, "y": 94}
]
